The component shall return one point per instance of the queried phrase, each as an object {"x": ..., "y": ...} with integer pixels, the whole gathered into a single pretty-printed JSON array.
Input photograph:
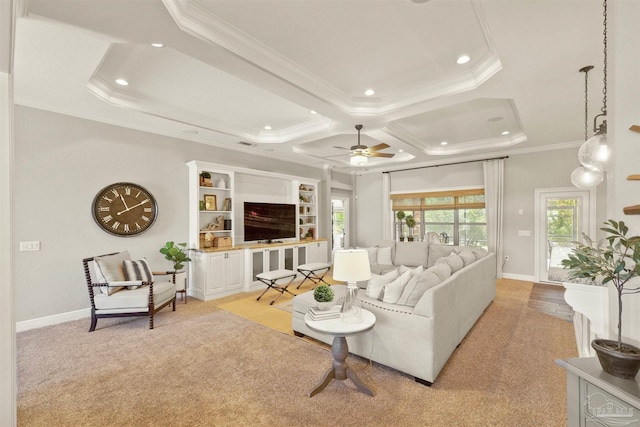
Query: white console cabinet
[
  {"x": 217, "y": 274},
  {"x": 317, "y": 251}
]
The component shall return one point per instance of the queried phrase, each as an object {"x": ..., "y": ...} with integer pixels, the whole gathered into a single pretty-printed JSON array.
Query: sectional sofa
[{"x": 426, "y": 297}]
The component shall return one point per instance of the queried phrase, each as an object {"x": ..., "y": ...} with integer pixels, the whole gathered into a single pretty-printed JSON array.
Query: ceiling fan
[{"x": 359, "y": 152}]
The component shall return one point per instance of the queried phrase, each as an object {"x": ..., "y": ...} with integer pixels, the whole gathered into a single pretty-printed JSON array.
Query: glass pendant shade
[
  {"x": 594, "y": 152},
  {"x": 358, "y": 160},
  {"x": 583, "y": 177}
]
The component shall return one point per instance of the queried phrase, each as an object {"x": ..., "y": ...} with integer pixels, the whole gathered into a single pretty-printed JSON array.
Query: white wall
[
  {"x": 61, "y": 163},
  {"x": 523, "y": 174}
]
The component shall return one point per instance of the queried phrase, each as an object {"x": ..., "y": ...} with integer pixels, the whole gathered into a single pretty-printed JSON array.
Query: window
[{"x": 456, "y": 217}]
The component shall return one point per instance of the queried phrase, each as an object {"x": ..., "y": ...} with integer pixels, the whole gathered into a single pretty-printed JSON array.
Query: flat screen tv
[{"x": 269, "y": 221}]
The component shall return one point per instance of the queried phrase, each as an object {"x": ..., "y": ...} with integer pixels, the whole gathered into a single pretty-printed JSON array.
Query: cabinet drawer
[{"x": 603, "y": 409}]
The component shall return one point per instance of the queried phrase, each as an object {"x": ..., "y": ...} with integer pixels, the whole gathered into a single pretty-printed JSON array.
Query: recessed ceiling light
[
  {"x": 401, "y": 151},
  {"x": 267, "y": 127},
  {"x": 157, "y": 45},
  {"x": 444, "y": 143},
  {"x": 122, "y": 82},
  {"x": 313, "y": 112},
  {"x": 369, "y": 92},
  {"x": 506, "y": 132},
  {"x": 463, "y": 59}
]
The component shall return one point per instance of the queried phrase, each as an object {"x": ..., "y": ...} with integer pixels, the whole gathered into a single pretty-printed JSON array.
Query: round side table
[{"x": 340, "y": 330}]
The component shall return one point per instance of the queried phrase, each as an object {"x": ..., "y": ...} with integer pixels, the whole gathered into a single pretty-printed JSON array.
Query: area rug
[
  {"x": 202, "y": 366},
  {"x": 285, "y": 305}
]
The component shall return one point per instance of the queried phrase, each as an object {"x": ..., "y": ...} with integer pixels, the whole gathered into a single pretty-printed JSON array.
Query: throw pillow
[
  {"x": 377, "y": 282},
  {"x": 137, "y": 270},
  {"x": 454, "y": 261},
  {"x": 436, "y": 252},
  {"x": 108, "y": 268},
  {"x": 467, "y": 256},
  {"x": 392, "y": 291},
  {"x": 411, "y": 253},
  {"x": 373, "y": 255},
  {"x": 384, "y": 256},
  {"x": 443, "y": 271},
  {"x": 416, "y": 287},
  {"x": 419, "y": 269},
  {"x": 479, "y": 252}
]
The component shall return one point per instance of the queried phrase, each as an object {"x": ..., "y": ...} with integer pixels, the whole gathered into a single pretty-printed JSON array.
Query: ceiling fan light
[
  {"x": 594, "y": 153},
  {"x": 358, "y": 159},
  {"x": 585, "y": 178}
]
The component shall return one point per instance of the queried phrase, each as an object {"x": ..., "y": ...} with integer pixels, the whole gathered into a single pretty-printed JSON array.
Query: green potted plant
[
  {"x": 176, "y": 253},
  {"x": 616, "y": 260},
  {"x": 205, "y": 179},
  {"x": 411, "y": 222},
  {"x": 323, "y": 295},
  {"x": 400, "y": 215}
]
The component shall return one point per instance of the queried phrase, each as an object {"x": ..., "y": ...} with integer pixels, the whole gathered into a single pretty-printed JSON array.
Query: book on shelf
[{"x": 331, "y": 313}]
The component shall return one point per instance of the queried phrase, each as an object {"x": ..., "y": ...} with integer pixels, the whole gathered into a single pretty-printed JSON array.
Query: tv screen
[{"x": 269, "y": 221}]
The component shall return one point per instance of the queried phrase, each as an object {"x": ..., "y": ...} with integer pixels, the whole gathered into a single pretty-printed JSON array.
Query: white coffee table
[{"x": 340, "y": 330}]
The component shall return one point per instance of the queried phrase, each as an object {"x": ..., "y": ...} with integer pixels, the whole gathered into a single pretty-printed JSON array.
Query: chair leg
[
  {"x": 151, "y": 320},
  {"x": 94, "y": 321}
]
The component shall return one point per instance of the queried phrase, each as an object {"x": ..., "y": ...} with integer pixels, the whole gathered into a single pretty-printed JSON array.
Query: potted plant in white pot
[
  {"x": 323, "y": 295},
  {"x": 176, "y": 253},
  {"x": 615, "y": 259}
]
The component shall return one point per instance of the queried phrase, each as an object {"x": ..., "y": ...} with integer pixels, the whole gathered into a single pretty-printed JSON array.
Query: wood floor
[{"x": 549, "y": 299}]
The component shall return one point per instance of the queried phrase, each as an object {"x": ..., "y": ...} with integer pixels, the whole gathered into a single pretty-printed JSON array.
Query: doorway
[
  {"x": 339, "y": 223},
  {"x": 562, "y": 216}
]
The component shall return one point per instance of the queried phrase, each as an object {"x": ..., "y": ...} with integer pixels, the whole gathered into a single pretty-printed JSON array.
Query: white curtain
[
  {"x": 493, "y": 195},
  {"x": 387, "y": 219}
]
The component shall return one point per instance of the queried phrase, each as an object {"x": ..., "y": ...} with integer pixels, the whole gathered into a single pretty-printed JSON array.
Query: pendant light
[
  {"x": 584, "y": 177},
  {"x": 594, "y": 152}
]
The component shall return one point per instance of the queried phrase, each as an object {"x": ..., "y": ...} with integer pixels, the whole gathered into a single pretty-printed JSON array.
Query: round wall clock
[{"x": 124, "y": 209}]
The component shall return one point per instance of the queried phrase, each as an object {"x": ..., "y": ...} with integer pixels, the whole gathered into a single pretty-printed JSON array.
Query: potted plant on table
[
  {"x": 400, "y": 215},
  {"x": 411, "y": 222},
  {"x": 615, "y": 259},
  {"x": 323, "y": 295},
  {"x": 176, "y": 253}
]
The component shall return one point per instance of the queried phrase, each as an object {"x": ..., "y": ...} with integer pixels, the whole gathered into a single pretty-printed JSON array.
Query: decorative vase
[
  {"x": 621, "y": 364},
  {"x": 324, "y": 305}
]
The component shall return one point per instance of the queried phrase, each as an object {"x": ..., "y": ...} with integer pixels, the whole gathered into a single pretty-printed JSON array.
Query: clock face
[{"x": 124, "y": 209}]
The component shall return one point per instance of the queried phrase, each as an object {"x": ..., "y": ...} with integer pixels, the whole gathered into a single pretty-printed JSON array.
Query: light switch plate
[{"x": 30, "y": 246}]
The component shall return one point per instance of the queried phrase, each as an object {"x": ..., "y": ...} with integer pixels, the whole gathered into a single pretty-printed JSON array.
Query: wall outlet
[{"x": 29, "y": 246}]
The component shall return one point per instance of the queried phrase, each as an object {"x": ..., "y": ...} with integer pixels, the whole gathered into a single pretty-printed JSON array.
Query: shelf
[
  {"x": 215, "y": 231},
  {"x": 214, "y": 188},
  {"x": 218, "y": 212}
]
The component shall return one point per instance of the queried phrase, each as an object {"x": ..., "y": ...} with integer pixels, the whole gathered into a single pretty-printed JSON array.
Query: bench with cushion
[{"x": 121, "y": 287}]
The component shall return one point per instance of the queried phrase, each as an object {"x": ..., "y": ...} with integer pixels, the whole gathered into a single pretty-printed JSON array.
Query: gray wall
[
  {"x": 523, "y": 174},
  {"x": 61, "y": 162}
]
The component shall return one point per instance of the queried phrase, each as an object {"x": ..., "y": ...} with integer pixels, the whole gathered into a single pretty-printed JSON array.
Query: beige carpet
[{"x": 203, "y": 366}]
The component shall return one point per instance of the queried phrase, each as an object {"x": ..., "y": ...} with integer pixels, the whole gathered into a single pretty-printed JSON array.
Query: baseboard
[
  {"x": 522, "y": 277},
  {"x": 53, "y": 320}
]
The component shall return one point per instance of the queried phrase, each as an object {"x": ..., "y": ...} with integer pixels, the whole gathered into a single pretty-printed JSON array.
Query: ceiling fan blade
[
  {"x": 381, "y": 146},
  {"x": 341, "y": 148},
  {"x": 635, "y": 128},
  {"x": 388, "y": 155}
]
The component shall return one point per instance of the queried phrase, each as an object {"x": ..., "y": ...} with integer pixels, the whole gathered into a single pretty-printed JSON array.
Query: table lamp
[{"x": 351, "y": 266}]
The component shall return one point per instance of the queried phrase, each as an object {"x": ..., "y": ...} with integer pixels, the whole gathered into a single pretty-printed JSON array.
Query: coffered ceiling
[{"x": 287, "y": 78}]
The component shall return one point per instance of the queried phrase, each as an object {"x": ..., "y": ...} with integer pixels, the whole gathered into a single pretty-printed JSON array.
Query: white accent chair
[{"x": 119, "y": 289}]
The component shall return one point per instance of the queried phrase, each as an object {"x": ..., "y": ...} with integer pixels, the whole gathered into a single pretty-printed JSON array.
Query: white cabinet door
[
  {"x": 215, "y": 282},
  {"x": 234, "y": 270},
  {"x": 317, "y": 252}
]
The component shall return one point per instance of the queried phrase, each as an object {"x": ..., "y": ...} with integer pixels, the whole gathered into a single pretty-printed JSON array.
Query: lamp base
[{"x": 351, "y": 311}]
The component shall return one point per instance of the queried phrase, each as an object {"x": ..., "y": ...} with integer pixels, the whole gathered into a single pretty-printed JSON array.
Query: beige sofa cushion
[
  {"x": 411, "y": 254},
  {"x": 417, "y": 286},
  {"x": 136, "y": 298},
  {"x": 441, "y": 270},
  {"x": 453, "y": 260},
  {"x": 438, "y": 251},
  {"x": 467, "y": 256}
]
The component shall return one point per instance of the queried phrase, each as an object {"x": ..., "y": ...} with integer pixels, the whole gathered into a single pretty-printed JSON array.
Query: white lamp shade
[
  {"x": 586, "y": 178},
  {"x": 351, "y": 265},
  {"x": 594, "y": 152}
]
